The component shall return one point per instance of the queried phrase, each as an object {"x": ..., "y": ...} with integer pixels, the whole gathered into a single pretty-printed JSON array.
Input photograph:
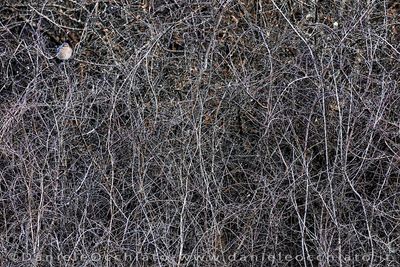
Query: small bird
[{"x": 64, "y": 51}]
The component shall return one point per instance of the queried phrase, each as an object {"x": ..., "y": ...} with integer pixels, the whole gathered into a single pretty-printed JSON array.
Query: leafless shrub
[{"x": 195, "y": 133}]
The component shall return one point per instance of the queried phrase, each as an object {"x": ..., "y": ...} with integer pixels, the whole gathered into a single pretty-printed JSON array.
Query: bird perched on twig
[{"x": 64, "y": 51}]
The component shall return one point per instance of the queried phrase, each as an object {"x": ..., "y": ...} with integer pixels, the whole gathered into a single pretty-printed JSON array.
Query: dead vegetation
[{"x": 200, "y": 133}]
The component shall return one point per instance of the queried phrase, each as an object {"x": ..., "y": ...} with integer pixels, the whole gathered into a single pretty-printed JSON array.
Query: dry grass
[{"x": 200, "y": 133}]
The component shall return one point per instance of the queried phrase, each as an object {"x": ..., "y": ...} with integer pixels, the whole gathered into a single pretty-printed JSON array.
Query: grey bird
[{"x": 64, "y": 51}]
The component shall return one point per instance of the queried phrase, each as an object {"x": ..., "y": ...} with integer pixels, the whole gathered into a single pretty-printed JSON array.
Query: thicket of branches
[{"x": 200, "y": 133}]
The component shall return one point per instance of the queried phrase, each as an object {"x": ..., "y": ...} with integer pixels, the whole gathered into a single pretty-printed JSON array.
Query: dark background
[{"x": 180, "y": 131}]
